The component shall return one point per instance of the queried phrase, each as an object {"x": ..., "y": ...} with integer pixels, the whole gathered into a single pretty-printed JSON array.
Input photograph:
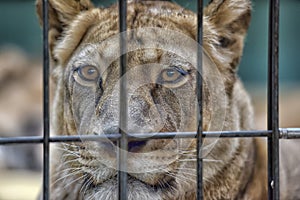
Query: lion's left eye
[
  {"x": 88, "y": 73},
  {"x": 172, "y": 77}
]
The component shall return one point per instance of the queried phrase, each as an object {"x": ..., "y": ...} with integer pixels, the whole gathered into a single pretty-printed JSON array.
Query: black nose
[{"x": 134, "y": 146}]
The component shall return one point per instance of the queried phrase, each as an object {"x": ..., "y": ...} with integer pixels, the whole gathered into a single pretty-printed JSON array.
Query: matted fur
[{"x": 234, "y": 169}]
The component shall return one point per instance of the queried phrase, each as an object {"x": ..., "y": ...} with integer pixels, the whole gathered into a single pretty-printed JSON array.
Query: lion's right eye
[
  {"x": 173, "y": 77},
  {"x": 88, "y": 73}
]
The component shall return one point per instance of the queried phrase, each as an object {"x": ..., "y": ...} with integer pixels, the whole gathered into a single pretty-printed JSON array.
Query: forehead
[
  {"x": 142, "y": 57},
  {"x": 163, "y": 15},
  {"x": 156, "y": 25},
  {"x": 144, "y": 45}
]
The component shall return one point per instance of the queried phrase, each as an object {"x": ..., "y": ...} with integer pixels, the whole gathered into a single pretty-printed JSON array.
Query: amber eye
[
  {"x": 88, "y": 73},
  {"x": 172, "y": 77}
]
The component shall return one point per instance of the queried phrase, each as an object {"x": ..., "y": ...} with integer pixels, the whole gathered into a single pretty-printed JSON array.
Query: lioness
[{"x": 161, "y": 86}]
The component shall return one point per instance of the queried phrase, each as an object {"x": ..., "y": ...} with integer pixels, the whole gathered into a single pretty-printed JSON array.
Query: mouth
[
  {"x": 164, "y": 185},
  {"x": 154, "y": 167}
]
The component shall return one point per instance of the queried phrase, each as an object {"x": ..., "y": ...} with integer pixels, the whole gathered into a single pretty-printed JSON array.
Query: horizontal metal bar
[
  {"x": 57, "y": 139},
  {"x": 16, "y": 1},
  {"x": 232, "y": 134},
  {"x": 289, "y": 133},
  {"x": 209, "y": 134},
  {"x": 81, "y": 138},
  {"x": 21, "y": 140},
  {"x": 285, "y": 133}
]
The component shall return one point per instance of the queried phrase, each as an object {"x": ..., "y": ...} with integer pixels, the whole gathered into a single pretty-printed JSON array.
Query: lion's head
[{"x": 161, "y": 87}]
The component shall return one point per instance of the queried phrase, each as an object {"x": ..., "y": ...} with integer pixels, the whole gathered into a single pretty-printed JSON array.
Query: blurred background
[{"x": 21, "y": 83}]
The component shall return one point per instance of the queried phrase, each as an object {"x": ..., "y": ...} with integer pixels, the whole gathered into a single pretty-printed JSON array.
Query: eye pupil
[
  {"x": 91, "y": 71},
  {"x": 172, "y": 77},
  {"x": 170, "y": 73},
  {"x": 88, "y": 73}
]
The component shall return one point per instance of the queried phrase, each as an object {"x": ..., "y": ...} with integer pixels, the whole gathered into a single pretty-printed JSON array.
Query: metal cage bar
[
  {"x": 285, "y": 133},
  {"x": 273, "y": 68},
  {"x": 46, "y": 129},
  {"x": 123, "y": 141}
]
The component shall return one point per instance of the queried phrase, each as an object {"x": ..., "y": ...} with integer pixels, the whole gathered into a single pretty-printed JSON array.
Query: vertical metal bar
[
  {"x": 123, "y": 142},
  {"x": 273, "y": 68},
  {"x": 45, "y": 102},
  {"x": 199, "y": 98}
]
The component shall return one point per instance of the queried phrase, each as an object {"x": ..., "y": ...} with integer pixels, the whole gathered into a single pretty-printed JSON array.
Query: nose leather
[{"x": 134, "y": 146}]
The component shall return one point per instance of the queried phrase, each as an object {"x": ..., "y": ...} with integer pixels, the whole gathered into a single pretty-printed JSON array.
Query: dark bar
[
  {"x": 45, "y": 102},
  {"x": 232, "y": 134},
  {"x": 273, "y": 66},
  {"x": 290, "y": 133},
  {"x": 285, "y": 133},
  {"x": 210, "y": 134},
  {"x": 123, "y": 142},
  {"x": 199, "y": 98},
  {"x": 21, "y": 140}
]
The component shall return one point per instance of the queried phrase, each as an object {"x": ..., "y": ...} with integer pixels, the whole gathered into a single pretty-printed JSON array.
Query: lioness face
[{"x": 161, "y": 87}]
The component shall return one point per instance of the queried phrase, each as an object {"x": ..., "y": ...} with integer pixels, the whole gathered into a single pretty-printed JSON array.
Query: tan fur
[{"x": 79, "y": 35}]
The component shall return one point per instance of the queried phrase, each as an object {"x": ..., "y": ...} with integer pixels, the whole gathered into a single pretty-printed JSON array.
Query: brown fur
[{"x": 233, "y": 168}]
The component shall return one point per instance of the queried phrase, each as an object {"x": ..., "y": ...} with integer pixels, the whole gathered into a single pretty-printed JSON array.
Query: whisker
[
  {"x": 68, "y": 151},
  {"x": 77, "y": 179},
  {"x": 70, "y": 144},
  {"x": 187, "y": 151},
  {"x": 189, "y": 156},
  {"x": 187, "y": 160},
  {"x": 66, "y": 176},
  {"x": 208, "y": 145},
  {"x": 86, "y": 185},
  {"x": 65, "y": 170},
  {"x": 190, "y": 169},
  {"x": 72, "y": 160},
  {"x": 70, "y": 154},
  {"x": 207, "y": 180},
  {"x": 186, "y": 173},
  {"x": 175, "y": 177},
  {"x": 212, "y": 160},
  {"x": 187, "y": 180},
  {"x": 181, "y": 177}
]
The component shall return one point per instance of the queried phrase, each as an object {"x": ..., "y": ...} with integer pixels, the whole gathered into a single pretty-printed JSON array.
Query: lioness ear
[
  {"x": 230, "y": 20},
  {"x": 61, "y": 13}
]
